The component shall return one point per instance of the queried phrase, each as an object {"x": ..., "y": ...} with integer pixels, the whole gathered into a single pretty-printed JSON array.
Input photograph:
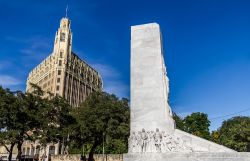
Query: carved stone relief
[{"x": 156, "y": 141}]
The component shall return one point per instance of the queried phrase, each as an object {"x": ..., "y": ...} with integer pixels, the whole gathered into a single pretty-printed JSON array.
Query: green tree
[
  {"x": 235, "y": 133},
  {"x": 103, "y": 117},
  {"x": 8, "y": 113},
  {"x": 57, "y": 124},
  {"x": 17, "y": 119},
  {"x": 29, "y": 116},
  {"x": 197, "y": 124},
  {"x": 30, "y": 123},
  {"x": 178, "y": 121},
  {"x": 215, "y": 136}
]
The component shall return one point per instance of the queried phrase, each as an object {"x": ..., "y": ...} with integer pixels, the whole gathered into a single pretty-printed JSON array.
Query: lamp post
[{"x": 103, "y": 149}]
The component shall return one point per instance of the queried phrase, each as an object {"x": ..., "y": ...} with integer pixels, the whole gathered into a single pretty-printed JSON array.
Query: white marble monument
[{"x": 153, "y": 136}]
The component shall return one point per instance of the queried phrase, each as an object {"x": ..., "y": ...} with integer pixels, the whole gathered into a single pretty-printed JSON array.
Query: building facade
[{"x": 63, "y": 73}]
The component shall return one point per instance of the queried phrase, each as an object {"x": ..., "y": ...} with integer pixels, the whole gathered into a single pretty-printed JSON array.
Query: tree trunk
[
  {"x": 92, "y": 151},
  {"x": 10, "y": 151},
  {"x": 19, "y": 151}
]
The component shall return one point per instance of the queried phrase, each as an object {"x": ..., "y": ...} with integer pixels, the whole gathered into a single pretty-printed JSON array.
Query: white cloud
[
  {"x": 112, "y": 80},
  {"x": 6, "y": 80}
]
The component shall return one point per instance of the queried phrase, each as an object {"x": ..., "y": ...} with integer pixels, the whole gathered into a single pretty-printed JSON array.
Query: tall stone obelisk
[
  {"x": 153, "y": 136},
  {"x": 149, "y": 82}
]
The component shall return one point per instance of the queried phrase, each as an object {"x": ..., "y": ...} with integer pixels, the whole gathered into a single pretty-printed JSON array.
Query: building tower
[{"x": 63, "y": 73}]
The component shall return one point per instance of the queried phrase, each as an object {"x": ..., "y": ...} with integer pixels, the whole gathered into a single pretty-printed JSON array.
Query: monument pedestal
[{"x": 194, "y": 156}]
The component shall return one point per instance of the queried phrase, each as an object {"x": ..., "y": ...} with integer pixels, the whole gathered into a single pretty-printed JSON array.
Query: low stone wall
[
  {"x": 71, "y": 157},
  {"x": 172, "y": 156},
  {"x": 109, "y": 157},
  {"x": 195, "y": 156},
  {"x": 98, "y": 157}
]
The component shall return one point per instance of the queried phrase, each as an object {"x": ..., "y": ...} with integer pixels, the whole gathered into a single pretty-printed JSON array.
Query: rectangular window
[
  {"x": 59, "y": 72},
  {"x": 23, "y": 151},
  {"x": 61, "y": 54},
  {"x": 60, "y": 62},
  {"x": 57, "y": 88},
  {"x": 28, "y": 151},
  {"x": 32, "y": 151},
  {"x": 62, "y": 37},
  {"x": 52, "y": 150},
  {"x": 58, "y": 80}
]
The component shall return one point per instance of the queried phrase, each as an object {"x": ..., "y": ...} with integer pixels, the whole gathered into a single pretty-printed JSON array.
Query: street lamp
[{"x": 103, "y": 150}]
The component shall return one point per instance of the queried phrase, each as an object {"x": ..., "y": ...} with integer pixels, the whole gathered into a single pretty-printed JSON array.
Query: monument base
[
  {"x": 179, "y": 156},
  {"x": 179, "y": 141}
]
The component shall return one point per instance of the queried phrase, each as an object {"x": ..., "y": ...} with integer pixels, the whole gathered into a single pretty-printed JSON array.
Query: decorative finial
[{"x": 66, "y": 11}]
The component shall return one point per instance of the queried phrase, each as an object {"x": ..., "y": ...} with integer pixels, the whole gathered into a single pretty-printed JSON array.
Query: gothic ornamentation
[{"x": 156, "y": 141}]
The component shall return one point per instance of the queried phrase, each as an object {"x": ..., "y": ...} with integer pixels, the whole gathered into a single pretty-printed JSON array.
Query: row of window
[
  {"x": 59, "y": 72},
  {"x": 33, "y": 151},
  {"x": 44, "y": 63}
]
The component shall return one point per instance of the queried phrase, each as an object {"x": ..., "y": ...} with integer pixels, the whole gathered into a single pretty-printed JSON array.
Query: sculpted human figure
[
  {"x": 179, "y": 143},
  {"x": 132, "y": 142},
  {"x": 172, "y": 144},
  {"x": 165, "y": 142},
  {"x": 158, "y": 139},
  {"x": 168, "y": 143},
  {"x": 139, "y": 142},
  {"x": 152, "y": 142},
  {"x": 148, "y": 142},
  {"x": 144, "y": 138}
]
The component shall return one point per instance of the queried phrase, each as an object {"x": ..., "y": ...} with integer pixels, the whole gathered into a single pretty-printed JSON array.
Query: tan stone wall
[
  {"x": 4, "y": 151},
  {"x": 74, "y": 157},
  {"x": 98, "y": 157},
  {"x": 109, "y": 157}
]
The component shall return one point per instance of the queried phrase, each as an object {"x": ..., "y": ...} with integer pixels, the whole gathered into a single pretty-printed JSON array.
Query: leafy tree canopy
[
  {"x": 235, "y": 133},
  {"x": 17, "y": 113},
  {"x": 29, "y": 116},
  {"x": 103, "y": 117}
]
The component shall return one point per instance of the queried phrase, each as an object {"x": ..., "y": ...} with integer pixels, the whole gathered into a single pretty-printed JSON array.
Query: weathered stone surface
[
  {"x": 199, "y": 144},
  {"x": 150, "y": 110},
  {"x": 187, "y": 156},
  {"x": 149, "y": 83}
]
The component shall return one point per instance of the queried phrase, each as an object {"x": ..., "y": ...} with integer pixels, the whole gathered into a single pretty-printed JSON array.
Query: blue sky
[{"x": 206, "y": 44}]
